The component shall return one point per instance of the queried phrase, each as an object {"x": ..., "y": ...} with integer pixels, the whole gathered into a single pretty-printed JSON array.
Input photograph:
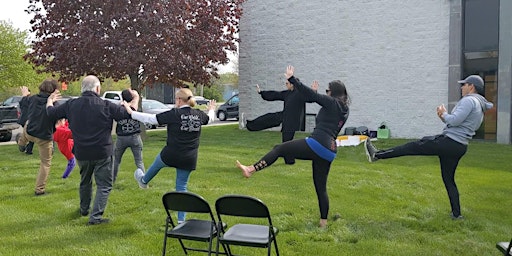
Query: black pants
[
  {"x": 299, "y": 149},
  {"x": 449, "y": 153},
  {"x": 265, "y": 121},
  {"x": 270, "y": 120}
]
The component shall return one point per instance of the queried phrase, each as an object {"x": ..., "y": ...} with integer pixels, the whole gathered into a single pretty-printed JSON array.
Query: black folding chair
[
  {"x": 204, "y": 230},
  {"x": 244, "y": 234},
  {"x": 505, "y": 247}
]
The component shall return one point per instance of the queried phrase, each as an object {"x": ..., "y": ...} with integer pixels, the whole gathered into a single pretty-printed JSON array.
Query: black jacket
[
  {"x": 90, "y": 120},
  {"x": 330, "y": 118},
  {"x": 40, "y": 125},
  {"x": 293, "y": 109},
  {"x": 23, "y": 105}
]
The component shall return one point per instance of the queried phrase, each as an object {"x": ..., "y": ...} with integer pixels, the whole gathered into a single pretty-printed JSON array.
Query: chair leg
[
  {"x": 183, "y": 246},
  {"x": 210, "y": 247},
  {"x": 165, "y": 243},
  {"x": 275, "y": 245}
]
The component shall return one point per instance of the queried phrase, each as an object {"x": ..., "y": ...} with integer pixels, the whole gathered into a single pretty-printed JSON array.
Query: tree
[
  {"x": 14, "y": 71},
  {"x": 166, "y": 41}
]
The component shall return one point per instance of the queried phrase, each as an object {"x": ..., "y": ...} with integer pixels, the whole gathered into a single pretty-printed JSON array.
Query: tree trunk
[{"x": 135, "y": 85}]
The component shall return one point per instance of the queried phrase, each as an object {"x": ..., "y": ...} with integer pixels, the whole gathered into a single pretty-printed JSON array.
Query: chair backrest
[
  {"x": 245, "y": 234},
  {"x": 186, "y": 202},
  {"x": 241, "y": 205}
]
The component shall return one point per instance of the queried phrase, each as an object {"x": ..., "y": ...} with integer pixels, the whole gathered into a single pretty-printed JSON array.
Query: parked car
[
  {"x": 201, "y": 100},
  {"x": 12, "y": 101},
  {"x": 64, "y": 98},
  {"x": 8, "y": 122},
  {"x": 153, "y": 107},
  {"x": 229, "y": 109},
  {"x": 114, "y": 96}
]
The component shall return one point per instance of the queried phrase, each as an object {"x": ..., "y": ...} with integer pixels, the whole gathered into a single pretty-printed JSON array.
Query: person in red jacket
[{"x": 65, "y": 142}]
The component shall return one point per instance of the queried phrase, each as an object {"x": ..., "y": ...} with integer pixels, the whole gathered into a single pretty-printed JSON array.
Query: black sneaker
[
  {"x": 39, "y": 193},
  {"x": 22, "y": 148},
  {"x": 84, "y": 213},
  {"x": 97, "y": 222},
  {"x": 460, "y": 217},
  {"x": 370, "y": 150}
]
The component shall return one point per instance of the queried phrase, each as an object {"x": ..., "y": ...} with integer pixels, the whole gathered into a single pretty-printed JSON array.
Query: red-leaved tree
[{"x": 167, "y": 41}]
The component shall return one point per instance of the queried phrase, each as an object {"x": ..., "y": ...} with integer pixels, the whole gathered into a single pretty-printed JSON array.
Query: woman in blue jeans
[{"x": 183, "y": 132}]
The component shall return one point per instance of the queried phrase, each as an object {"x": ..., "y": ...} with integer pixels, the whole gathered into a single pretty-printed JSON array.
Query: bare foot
[
  {"x": 246, "y": 170},
  {"x": 323, "y": 223}
]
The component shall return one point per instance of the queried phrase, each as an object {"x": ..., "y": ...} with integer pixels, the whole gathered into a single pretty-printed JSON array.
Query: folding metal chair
[
  {"x": 505, "y": 247},
  {"x": 204, "y": 230},
  {"x": 242, "y": 233}
]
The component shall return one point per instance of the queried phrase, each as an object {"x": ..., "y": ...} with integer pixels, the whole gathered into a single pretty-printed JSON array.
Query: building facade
[{"x": 398, "y": 59}]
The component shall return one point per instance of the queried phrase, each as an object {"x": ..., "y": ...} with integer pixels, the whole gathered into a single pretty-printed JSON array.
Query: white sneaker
[{"x": 138, "y": 175}]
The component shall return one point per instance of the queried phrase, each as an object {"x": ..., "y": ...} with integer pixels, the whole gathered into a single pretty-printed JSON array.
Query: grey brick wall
[{"x": 391, "y": 54}]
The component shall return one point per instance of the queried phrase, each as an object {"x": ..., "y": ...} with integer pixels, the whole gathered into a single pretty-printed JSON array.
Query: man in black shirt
[{"x": 90, "y": 120}]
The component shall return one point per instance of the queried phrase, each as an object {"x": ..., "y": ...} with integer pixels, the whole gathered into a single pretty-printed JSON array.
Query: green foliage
[
  {"x": 14, "y": 71},
  {"x": 390, "y": 207},
  {"x": 74, "y": 88},
  {"x": 213, "y": 92},
  {"x": 218, "y": 85},
  {"x": 228, "y": 79}
]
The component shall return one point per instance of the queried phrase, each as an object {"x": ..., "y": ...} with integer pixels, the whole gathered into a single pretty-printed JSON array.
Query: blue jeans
[{"x": 182, "y": 177}]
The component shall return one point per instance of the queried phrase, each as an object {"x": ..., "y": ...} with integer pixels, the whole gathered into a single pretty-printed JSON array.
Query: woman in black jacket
[{"x": 320, "y": 147}]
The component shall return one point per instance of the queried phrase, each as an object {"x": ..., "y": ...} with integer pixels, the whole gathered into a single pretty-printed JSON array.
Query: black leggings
[
  {"x": 449, "y": 153},
  {"x": 299, "y": 149}
]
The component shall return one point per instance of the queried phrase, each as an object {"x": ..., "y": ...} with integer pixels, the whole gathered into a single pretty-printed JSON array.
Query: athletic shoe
[
  {"x": 370, "y": 150},
  {"x": 460, "y": 217},
  {"x": 84, "y": 213},
  {"x": 69, "y": 168},
  {"x": 138, "y": 175}
]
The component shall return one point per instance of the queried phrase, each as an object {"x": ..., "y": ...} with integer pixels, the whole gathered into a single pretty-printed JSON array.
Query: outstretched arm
[
  {"x": 211, "y": 110},
  {"x": 135, "y": 99},
  {"x": 139, "y": 116},
  {"x": 310, "y": 94},
  {"x": 314, "y": 86}
]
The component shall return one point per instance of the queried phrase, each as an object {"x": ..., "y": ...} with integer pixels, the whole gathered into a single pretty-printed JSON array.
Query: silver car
[{"x": 153, "y": 107}]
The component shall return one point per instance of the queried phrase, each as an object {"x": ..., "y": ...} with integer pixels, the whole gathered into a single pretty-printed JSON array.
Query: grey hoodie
[{"x": 466, "y": 118}]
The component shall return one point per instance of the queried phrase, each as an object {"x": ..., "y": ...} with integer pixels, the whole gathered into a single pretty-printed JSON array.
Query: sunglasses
[
  {"x": 327, "y": 91},
  {"x": 462, "y": 85}
]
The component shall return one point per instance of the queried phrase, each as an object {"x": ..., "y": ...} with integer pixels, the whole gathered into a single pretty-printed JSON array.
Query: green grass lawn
[{"x": 391, "y": 207}]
